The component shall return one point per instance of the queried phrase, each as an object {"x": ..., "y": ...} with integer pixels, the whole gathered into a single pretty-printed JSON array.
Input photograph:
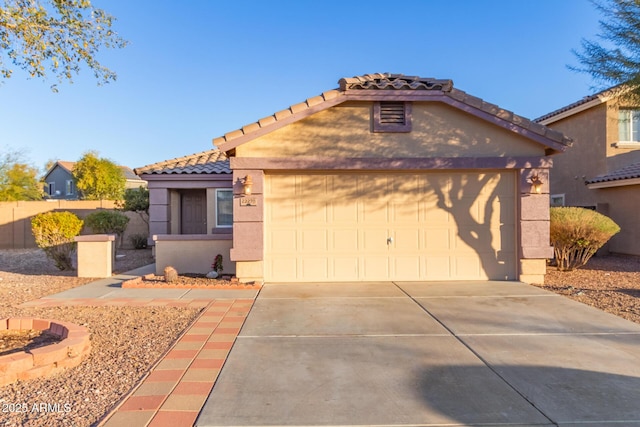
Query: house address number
[{"x": 248, "y": 201}]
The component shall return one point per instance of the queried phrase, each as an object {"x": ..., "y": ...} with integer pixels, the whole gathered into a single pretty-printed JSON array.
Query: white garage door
[{"x": 390, "y": 226}]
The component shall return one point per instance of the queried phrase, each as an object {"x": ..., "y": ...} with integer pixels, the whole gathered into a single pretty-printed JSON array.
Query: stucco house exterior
[
  {"x": 602, "y": 170},
  {"x": 387, "y": 177},
  {"x": 59, "y": 182}
]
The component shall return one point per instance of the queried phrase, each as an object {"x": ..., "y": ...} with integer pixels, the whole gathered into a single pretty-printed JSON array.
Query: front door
[{"x": 193, "y": 212}]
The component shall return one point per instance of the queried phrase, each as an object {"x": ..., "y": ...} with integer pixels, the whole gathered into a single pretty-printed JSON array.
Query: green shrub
[
  {"x": 107, "y": 222},
  {"x": 54, "y": 233},
  {"x": 577, "y": 233},
  {"x": 139, "y": 241}
]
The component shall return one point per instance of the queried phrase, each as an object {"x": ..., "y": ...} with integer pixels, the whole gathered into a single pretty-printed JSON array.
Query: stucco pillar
[
  {"x": 248, "y": 226},
  {"x": 158, "y": 212},
  {"x": 534, "y": 249},
  {"x": 95, "y": 255}
]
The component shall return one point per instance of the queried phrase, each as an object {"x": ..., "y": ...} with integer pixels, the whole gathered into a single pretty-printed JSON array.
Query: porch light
[
  {"x": 536, "y": 184},
  {"x": 247, "y": 185}
]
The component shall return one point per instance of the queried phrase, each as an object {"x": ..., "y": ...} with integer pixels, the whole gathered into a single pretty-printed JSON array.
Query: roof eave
[
  {"x": 556, "y": 144},
  {"x": 614, "y": 183}
]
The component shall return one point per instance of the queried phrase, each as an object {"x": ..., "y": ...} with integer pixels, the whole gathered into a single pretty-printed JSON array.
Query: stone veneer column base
[
  {"x": 532, "y": 270},
  {"x": 250, "y": 271}
]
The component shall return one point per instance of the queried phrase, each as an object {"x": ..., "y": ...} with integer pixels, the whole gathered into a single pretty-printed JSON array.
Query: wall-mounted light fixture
[
  {"x": 247, "y": 185},
  {"x": 536, "y": 184}
]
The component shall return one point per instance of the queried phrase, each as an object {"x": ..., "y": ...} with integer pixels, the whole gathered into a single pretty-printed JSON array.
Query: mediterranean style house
[
  {"x": 59, "y": 182},
  {"x": 602, "y": 170},
  {"x": 387, "y": 177}
]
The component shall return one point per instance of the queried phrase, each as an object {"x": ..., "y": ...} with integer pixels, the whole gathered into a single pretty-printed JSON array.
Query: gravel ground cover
[
  {"x": 126, "y": 342},
  {"x": 610, "y": 283}
]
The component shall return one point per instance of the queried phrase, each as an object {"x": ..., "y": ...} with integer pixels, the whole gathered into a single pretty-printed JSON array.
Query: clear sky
[{"x": 195, "y": 70}]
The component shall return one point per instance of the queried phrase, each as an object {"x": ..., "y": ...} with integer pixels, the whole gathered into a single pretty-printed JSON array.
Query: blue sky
[{"x": 195, "y": 70}]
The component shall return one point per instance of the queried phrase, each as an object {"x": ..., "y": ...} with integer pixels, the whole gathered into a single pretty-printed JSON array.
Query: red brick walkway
[{"x": 176, "y": 388}]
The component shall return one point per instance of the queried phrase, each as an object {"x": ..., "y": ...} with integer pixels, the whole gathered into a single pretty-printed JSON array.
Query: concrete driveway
[{"x": 414, "y": 354}]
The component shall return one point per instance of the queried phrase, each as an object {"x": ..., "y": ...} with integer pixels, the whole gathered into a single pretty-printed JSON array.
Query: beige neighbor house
[
  {"x": 602, "y": 171},
  {"x": 388, "y": 177}
]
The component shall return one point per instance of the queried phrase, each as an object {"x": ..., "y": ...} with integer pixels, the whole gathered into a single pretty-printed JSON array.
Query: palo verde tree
[
  {"x": 18, "y": 180},
  {"x": 615, "y": 58},
  {"x": 98, "y": 178},
  {"x": 55, "y": 37}
]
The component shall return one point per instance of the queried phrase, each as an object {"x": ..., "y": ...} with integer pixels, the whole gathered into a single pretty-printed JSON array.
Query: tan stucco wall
[
  {"x": 192, "y": 254},
  {"x": 622, "y": 207},
  {"x": 594, "y": 152},
  {"x": 15, "y": 220},
  {"x": 582, "y": 161},
  {"x": 345, "y": 131}
]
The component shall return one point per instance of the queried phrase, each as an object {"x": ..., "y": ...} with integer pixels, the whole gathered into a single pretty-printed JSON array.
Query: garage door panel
[
  {"x": 336, "y": 226},
  {"x": 438, "y": 239},
  {"x": 373, "y": 240},
  {"x": 282, "y": 241},
  {"x": 468, "y": 267},
  {"x": 375, "y": 267},
  {"x": 314, "y": 241},
  {"x": 344, "y": 240},
  {"x": 313, "y": 212},
  {"x": 405, "y": 267},
  {"x": 314, "y": 268},
  {"x": 406, "y": 240},
  {"x": 344, "y": 211},
  {"x": 437, "y": 267},
  {"x": 345, "y": 268}
]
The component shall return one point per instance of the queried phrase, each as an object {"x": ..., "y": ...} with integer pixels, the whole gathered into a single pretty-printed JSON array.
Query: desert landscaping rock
[{"x": 125, "y": 343}]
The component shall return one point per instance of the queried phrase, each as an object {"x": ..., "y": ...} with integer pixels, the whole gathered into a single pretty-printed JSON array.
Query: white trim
[
  {"x": 617, "y": 183},
  {"x": 627, "y": 144},
  {"x": 49, "y": 184},
  {"x": 230, "y": 190},
  {"x": 69, "y": 185}
]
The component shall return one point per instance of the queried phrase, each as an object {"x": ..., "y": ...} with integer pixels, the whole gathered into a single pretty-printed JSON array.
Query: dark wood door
[{"x": 193, "y": 212}]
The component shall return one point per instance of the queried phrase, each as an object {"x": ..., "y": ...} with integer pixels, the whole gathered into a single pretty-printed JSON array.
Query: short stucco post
[
  {"x": 535, "y": 246},
  {"x": 95, "y": 255}
]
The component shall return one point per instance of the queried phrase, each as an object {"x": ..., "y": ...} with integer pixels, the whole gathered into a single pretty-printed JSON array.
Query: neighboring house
[
  {"x": 388, "y": 177},
  {"x": 602, "y": 170},
  {"x": 59, "y": 182}
]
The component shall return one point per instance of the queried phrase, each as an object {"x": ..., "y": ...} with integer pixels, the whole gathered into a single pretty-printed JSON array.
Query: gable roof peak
[{"x": 389, "y": 81}]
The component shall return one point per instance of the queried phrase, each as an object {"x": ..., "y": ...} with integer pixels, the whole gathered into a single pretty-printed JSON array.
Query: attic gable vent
[{"x": 391, "y": 116}]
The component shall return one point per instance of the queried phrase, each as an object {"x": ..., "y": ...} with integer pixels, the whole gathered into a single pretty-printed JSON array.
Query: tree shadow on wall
[{"x": 476, "y": 202}]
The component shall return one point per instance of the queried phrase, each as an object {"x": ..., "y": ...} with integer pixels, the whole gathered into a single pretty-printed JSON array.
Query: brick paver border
[{"x": 177, "y": 387}]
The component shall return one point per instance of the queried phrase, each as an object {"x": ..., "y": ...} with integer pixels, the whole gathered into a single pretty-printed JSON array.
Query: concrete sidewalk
[
  {"x": 109, "y": 291},
  {"x": 414, "y": 354}
]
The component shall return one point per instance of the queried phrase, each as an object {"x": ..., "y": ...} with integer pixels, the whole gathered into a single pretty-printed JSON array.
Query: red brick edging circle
[{"x": 46, "y": 360}]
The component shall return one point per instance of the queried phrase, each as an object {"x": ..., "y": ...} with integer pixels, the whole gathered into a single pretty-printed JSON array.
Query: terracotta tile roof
[
  {"x": 394, "y": 86},
  {"x": 211, "y": 161},
  {"x": 394, "y": 81},
  {"x": 628, "y": 172}
]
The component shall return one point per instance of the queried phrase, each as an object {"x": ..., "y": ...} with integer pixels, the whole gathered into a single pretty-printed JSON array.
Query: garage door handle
[{"x": 389, "y": 240}]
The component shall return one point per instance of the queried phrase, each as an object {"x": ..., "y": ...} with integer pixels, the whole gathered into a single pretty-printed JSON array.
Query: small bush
[
  {"x": 54, "y": 233},
  {"x": 138, "y": 241},
  {"x": 170, "y": 274},
  {"x": 577, "y": 233},
  {"x": 107, "y": 222},
  {"x": 217, "y": 264}
]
